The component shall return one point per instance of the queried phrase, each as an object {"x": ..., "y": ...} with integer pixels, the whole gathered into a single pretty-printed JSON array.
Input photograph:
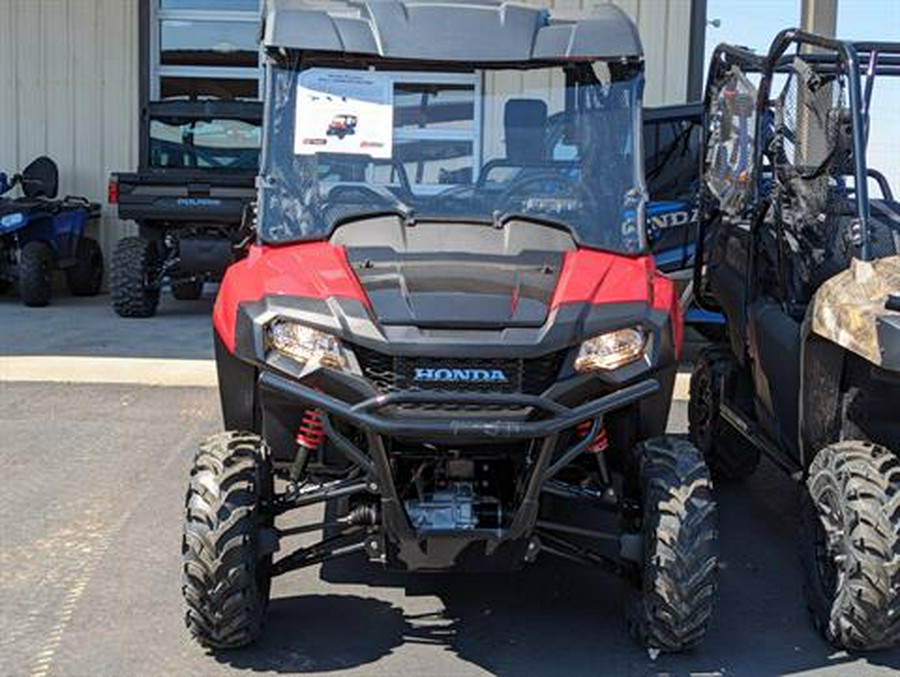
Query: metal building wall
[
  {"x": 68, "y": 89},
  {"x": 665, "y": 28},
  {"x": 69, "y": 83}
]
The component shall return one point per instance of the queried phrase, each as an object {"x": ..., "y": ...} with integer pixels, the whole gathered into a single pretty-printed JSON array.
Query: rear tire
[
  {"x": 187, "y": 290},
  {"x": 36, "y": 274},
  {"x": 228, "y": 541},
  {"x": 133, "y": 273},
  {"x": 851, "y": 545},
  {"x": 728, "y": 455},
  {"x": 86, "y": 276},
  {"x": 673, "y": 597}
]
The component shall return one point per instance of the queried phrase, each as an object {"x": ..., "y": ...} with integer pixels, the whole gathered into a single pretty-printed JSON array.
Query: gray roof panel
[{"x": 470, "y": 31}]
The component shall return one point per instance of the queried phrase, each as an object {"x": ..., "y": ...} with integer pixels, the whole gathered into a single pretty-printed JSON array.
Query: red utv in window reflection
[{"x": 342, "y": 125}]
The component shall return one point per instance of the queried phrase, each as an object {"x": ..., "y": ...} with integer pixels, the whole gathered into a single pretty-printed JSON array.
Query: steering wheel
[
  {"x": 513, "y": 199},
  {"x": 348, "y": 200}
]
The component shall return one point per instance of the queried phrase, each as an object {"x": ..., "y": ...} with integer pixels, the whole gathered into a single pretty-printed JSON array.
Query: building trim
[{"x": 697, "y": 50}]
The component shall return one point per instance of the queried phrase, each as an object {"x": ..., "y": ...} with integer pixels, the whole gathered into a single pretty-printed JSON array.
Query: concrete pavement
[{"x": 89, "y": 572}]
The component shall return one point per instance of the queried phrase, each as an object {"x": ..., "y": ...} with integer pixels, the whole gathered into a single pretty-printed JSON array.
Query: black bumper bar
[
  {"x": 411, "y": 548},
  {"x": 364, "y": 414}
]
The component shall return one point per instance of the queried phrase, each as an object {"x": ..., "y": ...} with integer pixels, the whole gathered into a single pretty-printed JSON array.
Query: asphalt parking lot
[{"x": 93, "y": 482}]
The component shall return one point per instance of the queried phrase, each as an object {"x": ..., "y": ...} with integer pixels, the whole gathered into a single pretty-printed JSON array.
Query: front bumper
[{"x": 398, "y": 543}]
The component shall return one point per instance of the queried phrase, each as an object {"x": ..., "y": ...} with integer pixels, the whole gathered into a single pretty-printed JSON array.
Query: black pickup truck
[{"x": 194, "y": 184}]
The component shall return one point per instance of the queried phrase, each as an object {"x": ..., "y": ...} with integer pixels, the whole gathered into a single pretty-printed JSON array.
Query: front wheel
[
  {"x": 851, "y": 545},
  {"x": 35, "y": 273},
  {"x": 226, "y": 551},
  {"x": 86, "y": 276},
  {"x": 675, "y": 588}
]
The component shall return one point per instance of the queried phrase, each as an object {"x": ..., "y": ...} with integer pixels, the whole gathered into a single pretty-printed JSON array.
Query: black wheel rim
[
  {"x": 826, "y": 551},
  {"x": 704, "y": 407},
  {"x": 266, "y": 494}
]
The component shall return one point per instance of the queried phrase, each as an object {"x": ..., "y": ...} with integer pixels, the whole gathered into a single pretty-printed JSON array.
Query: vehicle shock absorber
[
  {"x": 600, "y": 443},
  {"x": 597, "y": 446},
  {"x": 309, "y": 438}
]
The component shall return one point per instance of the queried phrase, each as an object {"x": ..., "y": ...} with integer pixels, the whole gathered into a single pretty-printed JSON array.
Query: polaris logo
[
  {"x": 198, "y": 202},
  {"x": 460, "y": 375}
]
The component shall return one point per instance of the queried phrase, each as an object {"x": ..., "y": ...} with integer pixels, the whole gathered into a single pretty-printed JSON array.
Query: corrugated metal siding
[
  {"x": 68, "y": 89},
  {"x": 69, "y": 83},
  {"x": 665, "y": 28}
]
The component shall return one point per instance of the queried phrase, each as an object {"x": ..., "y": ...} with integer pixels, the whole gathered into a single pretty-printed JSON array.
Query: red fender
[
  {"x": 599, "y": 278},
  {"x": 315, "y": 270}
]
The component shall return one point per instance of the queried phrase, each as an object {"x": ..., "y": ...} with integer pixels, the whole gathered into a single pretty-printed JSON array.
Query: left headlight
[
  {"x": 10, "y": 221},
  {"x": 308, "y": 346},
  {"x": 611, "y": 350}
]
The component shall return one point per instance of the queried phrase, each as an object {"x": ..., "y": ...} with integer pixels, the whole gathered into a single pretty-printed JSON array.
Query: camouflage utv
[{"x": 804, "y": 265}]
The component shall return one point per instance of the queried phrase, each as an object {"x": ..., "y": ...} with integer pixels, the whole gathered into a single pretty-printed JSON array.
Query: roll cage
[{"x": 858, "y": 64}]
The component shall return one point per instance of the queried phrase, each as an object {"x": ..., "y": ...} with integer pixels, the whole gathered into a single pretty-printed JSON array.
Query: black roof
[{"x": 481, "y": 31}]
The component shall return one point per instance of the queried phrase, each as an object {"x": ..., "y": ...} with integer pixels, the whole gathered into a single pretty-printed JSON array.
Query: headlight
[
  {"x": 10, "y": 221},
  {"x": 308, "y": 346},
  {"x": 612, "y": 350}
]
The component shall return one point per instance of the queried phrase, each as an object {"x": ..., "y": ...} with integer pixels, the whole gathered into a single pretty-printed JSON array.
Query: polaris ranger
[
  {"x": 198, "y": 156},
  {"x": 445, "y": 335},
  {"x": 188, "y": 199},
  {"x": 805, "y": 266}
]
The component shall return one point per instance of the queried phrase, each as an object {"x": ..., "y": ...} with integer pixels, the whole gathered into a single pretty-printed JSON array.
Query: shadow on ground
[
  {"x": 559, "y": 618},
  {"x": 322, "y": 633}
]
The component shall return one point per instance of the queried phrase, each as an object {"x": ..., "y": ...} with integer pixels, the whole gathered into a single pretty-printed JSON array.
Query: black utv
[
  {"x": 442, "y": 333},
  {"x": 805, "y": 265}
]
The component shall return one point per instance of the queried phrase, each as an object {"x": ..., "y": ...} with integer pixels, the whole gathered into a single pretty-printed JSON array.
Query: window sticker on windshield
[{"x": 341, "y": 111}]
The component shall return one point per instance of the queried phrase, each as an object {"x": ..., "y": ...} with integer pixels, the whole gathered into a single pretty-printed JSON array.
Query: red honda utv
[{"x": 445, "y": 337}]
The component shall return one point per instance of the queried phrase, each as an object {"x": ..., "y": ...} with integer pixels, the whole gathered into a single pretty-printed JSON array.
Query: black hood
[{"x": 455, "y": 275}]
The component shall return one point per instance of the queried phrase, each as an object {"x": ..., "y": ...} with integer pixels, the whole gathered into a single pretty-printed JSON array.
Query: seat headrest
[{"x": 525, "y": 123}]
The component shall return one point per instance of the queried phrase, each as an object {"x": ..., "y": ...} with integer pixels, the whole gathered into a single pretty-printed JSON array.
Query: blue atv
[{"x": 40, "y": 234}]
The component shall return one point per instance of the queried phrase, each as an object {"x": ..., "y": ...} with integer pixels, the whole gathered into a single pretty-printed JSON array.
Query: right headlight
[
  {"x": 611, "y": 350},
  {"x": 307, "y": 346}
]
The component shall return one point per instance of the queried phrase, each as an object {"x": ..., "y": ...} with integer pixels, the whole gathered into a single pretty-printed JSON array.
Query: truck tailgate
[{"x": 150, "y": 197}]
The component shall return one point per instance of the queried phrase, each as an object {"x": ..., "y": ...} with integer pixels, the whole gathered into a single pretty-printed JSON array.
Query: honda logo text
[
  {"x": 675, "y": 219},
  {"x": 460, "y": 375}
]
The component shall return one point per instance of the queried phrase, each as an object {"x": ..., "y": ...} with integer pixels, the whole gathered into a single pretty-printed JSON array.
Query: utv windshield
[{"x": 343, "y": 145}]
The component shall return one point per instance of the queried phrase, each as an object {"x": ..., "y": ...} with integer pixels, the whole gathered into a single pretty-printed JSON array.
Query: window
[
  {"x": 672, "y": 155},
  {"x": 199, "y": 88},
  {"x": 436, "y": 127},
  {"x": 212, "y": 5},
  {"x": 346, "y": 144},
  {"x": 208, "y": 43},
  {"x": 208, "y": 144},
  {"x": 204, "y": 50}
]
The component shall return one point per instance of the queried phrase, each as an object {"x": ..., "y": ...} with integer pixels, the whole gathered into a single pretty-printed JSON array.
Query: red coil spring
[
  {"x": 600, "y": 441},
  {"x": 311, "y": 433}
]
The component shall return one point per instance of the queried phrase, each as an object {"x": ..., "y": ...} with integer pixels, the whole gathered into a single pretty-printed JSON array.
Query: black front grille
[
  {"x": 529, "y": 376},
  {"x": 539, "y": 373}
]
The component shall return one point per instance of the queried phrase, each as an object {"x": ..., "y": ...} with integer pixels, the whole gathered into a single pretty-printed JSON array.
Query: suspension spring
[
  {"x": 600, "y": 443},
  {"x": 311, "y": 432}
]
